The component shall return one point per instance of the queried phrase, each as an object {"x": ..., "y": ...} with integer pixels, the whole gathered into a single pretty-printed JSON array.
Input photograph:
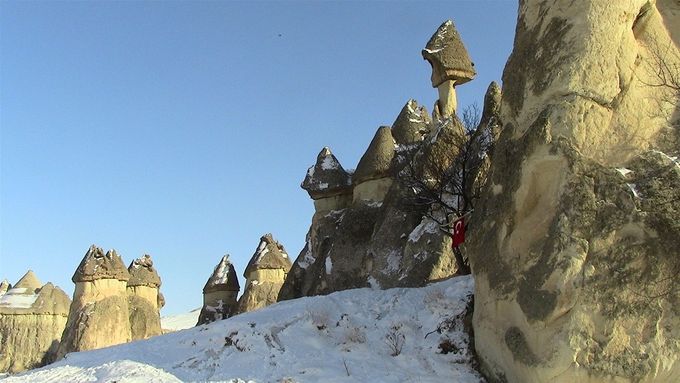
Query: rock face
[
  {"x": 377, "y": 239},
  {"x": 32, "y": 319},
  {"x": 264, "y": 275},
  {"x": 99, "y": 314},
  {"x": 574, "y": 245},
  {"x": 219, "y": 293},
  {"x": 4, "y": 286},
  {"x": 144, "y": 299},
  {"x": 328, "y": 183}
]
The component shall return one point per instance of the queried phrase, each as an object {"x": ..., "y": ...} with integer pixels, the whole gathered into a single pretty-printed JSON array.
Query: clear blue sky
[{"x": 183, "y": 129}]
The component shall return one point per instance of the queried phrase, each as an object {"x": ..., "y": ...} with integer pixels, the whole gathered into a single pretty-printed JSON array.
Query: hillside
[{"x": 361, "y": 335}]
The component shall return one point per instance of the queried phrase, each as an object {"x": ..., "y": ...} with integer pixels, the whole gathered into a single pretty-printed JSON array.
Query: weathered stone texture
[
  {"x": 576, "y": 262},
  {"x": 31, "y": 323},
  {"x": 219, "y": 293}
]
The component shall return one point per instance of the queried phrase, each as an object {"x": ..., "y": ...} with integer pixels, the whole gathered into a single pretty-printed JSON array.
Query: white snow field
[
  {"x": 362, "y": 335},
  {"x": 180, "y": 321}
]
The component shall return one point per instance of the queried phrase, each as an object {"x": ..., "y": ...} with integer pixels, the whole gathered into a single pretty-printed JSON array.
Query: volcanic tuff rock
[
  {"x": 379, "y": 240},
  {"x": 144, "y": 299},
  {"x": 32, "y": 319},
  {"x": 219, "y": 293},
  {"x": 412, "y": 124},
  {"x": 4, "y": 286},
  {"x": 264, "y": 275},
  {"x": 574, "y": 244},
  {"x": 99, "y": 315}
]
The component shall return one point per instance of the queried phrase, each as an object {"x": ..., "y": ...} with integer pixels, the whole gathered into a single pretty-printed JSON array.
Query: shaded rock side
[
  {"x": 219, "y": 293},
  {"x": 143, "y": 299},
  {"x": 375, "y": 163},
  {"x": 383, "y": 244},
  {"x": 446, "y": 53},
  {"x": 264, "y": 275},
  {"x": 31, "y": 325},
  {"x": 574, "y": 244},
  {"x": 327, "y": 178},
  {"x": 99, "y": 314},
  {"x": 412, "y": 124}
]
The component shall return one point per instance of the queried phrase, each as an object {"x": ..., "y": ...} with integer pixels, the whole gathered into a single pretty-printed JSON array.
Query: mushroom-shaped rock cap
[
  {"x": 97, "y": 265},
  {"x": 412, "y": 124},
  {"x": 29, "y": 282},
  {"x": 375, "y": 163},
  {"x": 269, "y": 254},
  {"x": 447, "y": 55},
  {"x": 142, "y": 272},
  {"x": 223, "y": 278},
  {"x": 327, "y": 177},
  {"x": 4, "y": 286}
]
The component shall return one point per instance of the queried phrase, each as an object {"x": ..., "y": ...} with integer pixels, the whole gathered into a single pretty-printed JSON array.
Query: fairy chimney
[
  {"x": 412, "y": 124},
  {"x": 264, "y": 275},
  {"x": 32, "y": 320},
  {"x": 219, "y": 293},
  {"x": 99, "y": 314},
  {"x": 451, "y": 66},
  {"x": 372, "y": 177},
  {"x": 144, "y": 298},
  {"x": 327, "y": 183}
]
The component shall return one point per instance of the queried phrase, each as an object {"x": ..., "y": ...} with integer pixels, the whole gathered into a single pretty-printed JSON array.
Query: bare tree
[{"x": 445, "y": 184}]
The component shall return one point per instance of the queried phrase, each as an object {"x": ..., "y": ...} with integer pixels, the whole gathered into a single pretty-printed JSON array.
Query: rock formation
[
  {"x": 378, "y": 239},
  {"x": 264, "y": 275},
  {"x": 99, "y": 314},
  {"x": 574, "y": 244},
  {"x": 144, "y": 299},
  {"x": 451, "y": 66},
  {"x": 327, "y": 182},
  {"x": 219, "y": 293},
  {"x": 32, "y": 319}
]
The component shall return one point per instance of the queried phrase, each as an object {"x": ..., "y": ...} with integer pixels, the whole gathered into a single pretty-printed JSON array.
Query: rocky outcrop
[
  {"x": 144, "y": 299},
  {"x": 219, "y": 293},
  {"x": 99, "y": 314},
  {"x": 4, "y": 286},
  {"x": 379, "y": 239},
  {"x": 328, "y": 183},
  {"x": 574, "y": 244},
  {"x": 372, "y": 179},
  {"x": 32, "y": 319},
  {"x": 264, "y": 275},
  {"x": 451, "y": 66}
]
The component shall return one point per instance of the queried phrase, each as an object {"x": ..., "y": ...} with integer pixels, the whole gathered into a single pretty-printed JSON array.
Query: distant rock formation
[
  {"x": 32, "y": 319},
  {"x": 574, "y": 244},
  {"x": 99, "y": 314},
  {"x": 220, "y": 293},
  {"x": 264, "y": 275},
  {"x": 144, "y": 299},
  {"x": 4, "y": 286}
]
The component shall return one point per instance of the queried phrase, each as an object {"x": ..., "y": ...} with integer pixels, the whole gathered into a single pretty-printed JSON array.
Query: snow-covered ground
[
  {"x": 364, "y": 335},
  {"x": 180, "y": 321}
]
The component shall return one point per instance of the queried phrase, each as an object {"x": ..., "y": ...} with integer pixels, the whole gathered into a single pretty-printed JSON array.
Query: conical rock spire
[
  {"x": 269, "y": 254},
  {"x": 412, "y": 124},
  {"x": 223, "y": 277},
  {"x": 327, "y": 177},
  {"x": 375, "y": 163},
  {"x": 29, "y": 281},
  {"x": 447, "y": 55}
]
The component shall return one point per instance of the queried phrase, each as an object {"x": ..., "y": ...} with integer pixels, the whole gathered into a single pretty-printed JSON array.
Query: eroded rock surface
[
  {"x": 32, "y": 319},
  {"x": 219, "y": 293},
  {"x": 264, "y": 275},
  {"x": 99, "y": 314},
  {"x": 144, "y": 299},
  {"x": 574, "y": 245}
]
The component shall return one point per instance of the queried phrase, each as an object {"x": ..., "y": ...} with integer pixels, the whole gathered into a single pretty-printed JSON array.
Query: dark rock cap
[
  {"x": 447, "y": 55},
  {"x": 375, "y": 163},
  {"x": 412, "y": 124},
  {"x": 97, "y": 265},
  {"x": 142, "y": 272},
  {"x": 223, "y": 278},
  {"x": 327, "y": 177},
  {"x": 29, "y": 281},
  {"x": 269, "y": 254}
]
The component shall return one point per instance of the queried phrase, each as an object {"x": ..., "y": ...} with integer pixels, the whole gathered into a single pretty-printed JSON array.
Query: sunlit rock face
[
  {"x": 144, "y": 299},
  {"x": 32, "y": 319},
  {"x": 99, "y": 315},
  {"x": 264, "y": 275},
  {"x": 574, "y": 245}
]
